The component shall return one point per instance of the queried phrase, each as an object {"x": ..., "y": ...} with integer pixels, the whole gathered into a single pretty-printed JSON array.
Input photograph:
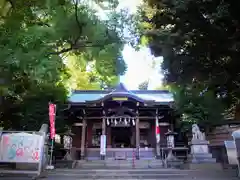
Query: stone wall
[
  {"x": 220, "y": 134},
  {"x": 217, "y": 137}
]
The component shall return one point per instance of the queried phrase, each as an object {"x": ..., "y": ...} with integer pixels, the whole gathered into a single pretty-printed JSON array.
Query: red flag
[
  {"x": 52, "y": 114},
  {"x": 157, "y": 130}
]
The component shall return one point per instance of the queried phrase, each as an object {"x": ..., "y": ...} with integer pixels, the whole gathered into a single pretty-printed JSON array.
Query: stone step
[
  {"x": 113, "y": 174},
  {"x": 139, "y": 174},
  {"x": 120, "y": 161},
  {"x": 145, "y": 171},
  {"x": 64, "y": 164},
  {"x": 147, "y": 174},
  {"x": 119, "y": 164}
]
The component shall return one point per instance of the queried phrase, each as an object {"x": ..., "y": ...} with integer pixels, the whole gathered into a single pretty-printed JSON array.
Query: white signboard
[
  {"x": 170, "y": 141},
  {"x": 67, "y": 142},
  {"x": 21, "y": 147},
  {"x": 103, "y": 145},
  {"x": 144, "y": 125},
  {"x": 97, "y": 125}
]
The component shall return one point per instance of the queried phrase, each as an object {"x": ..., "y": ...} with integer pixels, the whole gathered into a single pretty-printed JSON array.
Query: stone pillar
[
  {"x": 158, "y": 138},
  {"x": 137, "y": 138},
  {"x": 103, "y": 133},
  {"x": 83, "y": 138}
]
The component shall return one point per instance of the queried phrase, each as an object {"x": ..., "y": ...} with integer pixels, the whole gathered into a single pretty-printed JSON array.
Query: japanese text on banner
[{"x": 52, "y": 114}]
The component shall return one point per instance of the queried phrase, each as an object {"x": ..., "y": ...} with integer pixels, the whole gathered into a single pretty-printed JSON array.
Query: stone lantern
[
  {"x": 171, "y": 159},
  {"x": 67, "y": 144},
  {"x": 170, "y": 139}
]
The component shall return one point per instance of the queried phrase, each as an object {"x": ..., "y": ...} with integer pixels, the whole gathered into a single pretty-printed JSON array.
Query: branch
[
  {"x": 77, "y": 47},
  {"x": 78, "y": 43},
  {"x": 74, "y": 44},
  {"x": 61, "y": 52},
  {"x": 39, "y": 23},
  {"x": 76, "y": 17},
  {"x": 80, "y": 25}
]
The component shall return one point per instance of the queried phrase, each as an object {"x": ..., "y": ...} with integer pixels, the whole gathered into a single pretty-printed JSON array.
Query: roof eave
[{"x": 111, "y": 95}]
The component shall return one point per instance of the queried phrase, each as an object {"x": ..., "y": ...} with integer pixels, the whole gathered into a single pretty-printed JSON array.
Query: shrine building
[{"x": 128, "y": 119}]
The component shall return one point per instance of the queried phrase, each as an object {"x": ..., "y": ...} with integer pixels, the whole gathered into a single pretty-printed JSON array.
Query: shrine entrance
[
  {"x": 127, "y": 119},
  {"x": 121, "y": 137}
]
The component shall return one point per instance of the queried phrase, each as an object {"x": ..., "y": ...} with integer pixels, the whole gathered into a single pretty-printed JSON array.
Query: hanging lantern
[
  {"x": 120, "y": 120},
  {"x": 108, "y": 123},
  {"x": 125, "y": 121},
  {"x": 115, "y": 121},
  {"x": 111, "y": 120},
  {"x": 133, "y": 122}
]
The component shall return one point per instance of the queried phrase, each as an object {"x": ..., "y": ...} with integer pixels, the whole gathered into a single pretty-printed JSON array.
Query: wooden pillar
[
  {"x": 83, "y": 138},
  {"x": 109, "y": 139},
  {"x": 137, "y": 138},
  {"x": 103, "y": 126},
  {"x": 133, "y": 139},
  {"x": 89, "y": 134}
]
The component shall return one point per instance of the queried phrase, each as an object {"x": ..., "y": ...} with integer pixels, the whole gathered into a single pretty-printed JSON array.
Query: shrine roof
[{"x": 157, "y": 96}]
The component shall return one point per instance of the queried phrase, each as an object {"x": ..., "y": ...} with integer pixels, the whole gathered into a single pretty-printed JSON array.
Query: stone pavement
[{"x": 133, "y": 174}]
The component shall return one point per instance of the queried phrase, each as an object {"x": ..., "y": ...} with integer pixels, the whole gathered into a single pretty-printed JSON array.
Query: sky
[
  {"x": 140, "y": 68},
  {"x": 139, "y": 63}
]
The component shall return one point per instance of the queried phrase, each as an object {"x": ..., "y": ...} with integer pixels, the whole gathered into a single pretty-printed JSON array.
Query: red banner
[
  {"x": 157, "y": 131},
  {"x": 52, "y": 114}
]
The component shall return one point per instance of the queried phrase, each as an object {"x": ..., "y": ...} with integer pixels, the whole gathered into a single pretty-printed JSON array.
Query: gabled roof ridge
[
  {"x": 131, "y": 91},
  {"x": 88, "y": 96},
  {"x": 91, "y": 91},
  {"x": 120, "y": 88}
]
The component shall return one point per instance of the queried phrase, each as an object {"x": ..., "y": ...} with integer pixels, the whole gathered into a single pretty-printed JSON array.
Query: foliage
[
  {"x": 197, "y": 106},
  {"x": 163, "y": 87},
  {"x": 143, "y": 85},
  {"x": 37, "y": 39},
  {"x": 199, "y": 42}
]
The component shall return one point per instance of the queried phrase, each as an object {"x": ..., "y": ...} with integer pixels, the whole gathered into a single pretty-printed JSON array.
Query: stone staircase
[
  {"x": 134, "y": 174},
  {"x": 117, "y": 174},
  {"x": 119, "y": 164}
]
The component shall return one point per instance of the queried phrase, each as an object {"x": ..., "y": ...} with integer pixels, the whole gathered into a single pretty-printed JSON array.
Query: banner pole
[
  {"x": 51, "y": 154},
  {"x": 52, "y": 114}
]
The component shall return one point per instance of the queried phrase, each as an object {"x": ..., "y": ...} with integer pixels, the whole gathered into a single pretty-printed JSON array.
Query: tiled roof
[{"x": 158, "y": 96}]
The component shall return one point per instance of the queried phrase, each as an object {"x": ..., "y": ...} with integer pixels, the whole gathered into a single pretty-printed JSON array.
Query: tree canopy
[
  {"x": 198, "y": 107},
  {"x": 199, "y": 42},
  {"x": 143, "y": 85},
  {"x": 45, "y": 47}
]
